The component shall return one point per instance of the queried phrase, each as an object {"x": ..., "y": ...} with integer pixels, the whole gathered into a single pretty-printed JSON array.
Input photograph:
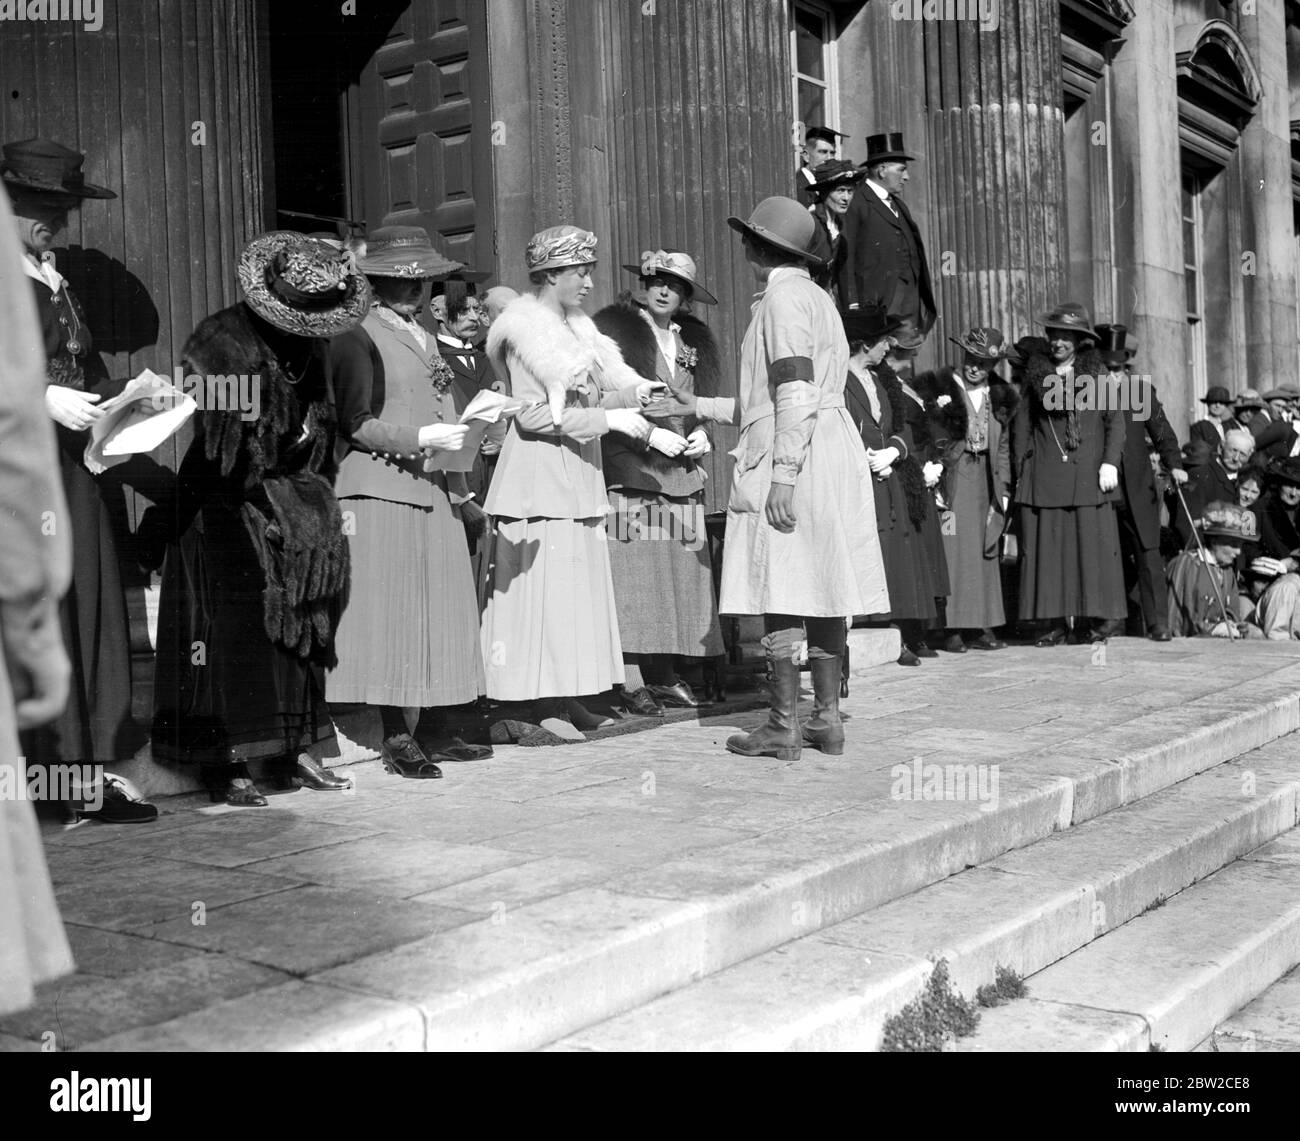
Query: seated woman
[{"x": 1203, "y": 586}]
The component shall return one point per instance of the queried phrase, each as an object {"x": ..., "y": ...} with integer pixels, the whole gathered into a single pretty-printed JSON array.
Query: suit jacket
[
  {"x": 468, "y": 380},
  {"x": 1279, "y": 529},
  {"x": 1206, "y": 430},
  {"x": 1206, "y": 483},
  {"x": 877, "y": 267},
  {"x": 1136, "y": 477},
  {"x": 803, "y": 186},
  {"x": 1277, "y": 439}
]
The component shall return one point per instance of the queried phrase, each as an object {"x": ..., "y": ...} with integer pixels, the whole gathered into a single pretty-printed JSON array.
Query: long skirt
[
  {"x": 33, "y": 948},
  {"x": 976, "y": 598},
  {"x": 409, "y": 634},
  {"x": 223, "y": 691},
  {"x": 663, "y": 576},
  {"x": 1071, "y": 563},
  {"x": 550, "y": 626},
  {"x": 908, "y": 572}
]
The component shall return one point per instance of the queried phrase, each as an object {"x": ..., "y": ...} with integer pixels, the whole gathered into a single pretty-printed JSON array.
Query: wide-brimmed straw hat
[
  {"x": 984, "y": 342},
  {"x": 1221, "y": 520},
  {"x": 39, "y": 166},
  {"x": 783, "y": 223},
  {"x": 301, "y": 285},
  {"x": 560, "y": 247},
  {"x": 673, "y": 263},
  {"x": 404, "y": 251}
]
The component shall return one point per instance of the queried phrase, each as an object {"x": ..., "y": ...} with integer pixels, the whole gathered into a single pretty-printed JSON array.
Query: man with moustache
[
  {"x": 884, "y": 260},
  {"x": 1211, "y": 477}
]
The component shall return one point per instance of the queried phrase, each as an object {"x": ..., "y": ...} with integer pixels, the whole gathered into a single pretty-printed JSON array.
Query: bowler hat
[
  {"x": 984, "y": 342},
  {"x": 783, "y": 223},
  {"x": 835, "y": 172},
  {"x": 1221, "y": 520},
  {"x": 403, "y": 251},
  {"x": 887, "y": 147},
  {"x": 1217, "y": 395},
  {"x": 1069, "y": 315},
  {"x": 673, "y": 263},
  {"x": 301, "y": 285},
  {"x": 44, "y": 167}
]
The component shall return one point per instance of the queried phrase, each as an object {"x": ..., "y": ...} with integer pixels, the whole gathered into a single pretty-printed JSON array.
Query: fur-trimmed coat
[
  {"x": 948, "y": 409},
  {"x": 1047, "y": 428},
  {"x": 630, "y": 463},
  {"x": 567, "y": 372}
]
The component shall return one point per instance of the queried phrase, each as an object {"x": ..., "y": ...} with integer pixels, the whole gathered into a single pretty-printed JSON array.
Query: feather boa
[
  {"x": 1038, "y": 368},
  {"x": 539, "y": 341}
]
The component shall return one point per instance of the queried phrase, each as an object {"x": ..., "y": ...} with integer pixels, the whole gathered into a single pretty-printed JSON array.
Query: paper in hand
[
  {"x": 149, "y": 410},
  {"x": 485, "y": 409}
]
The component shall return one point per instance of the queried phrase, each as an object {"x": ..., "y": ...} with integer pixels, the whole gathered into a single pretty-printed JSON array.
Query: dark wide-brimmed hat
[
  {"x": 869, "y": 323},
  {"x": 404, "y": 251},
  {"x": 783, "y": 223},
  {"x": 1284, "y": 470},
  {"x": 1248, "y": 398},
  {"x": 673, "y": 263},
  {"x": 887, "y": 147},
  {"x": 38, "y": 166},
  {"x": 303, "y": 286},
  {"x": 835, "y": 172},
  {"x": 1217, "y": 394},
  {"x": 984, "y": 342},
  {"x": 1222, "y": 520},
  {"x": 1069, "y": 315}
]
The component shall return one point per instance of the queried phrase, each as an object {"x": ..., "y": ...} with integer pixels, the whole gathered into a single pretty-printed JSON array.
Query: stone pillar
[{"x": 997, "y": 241}]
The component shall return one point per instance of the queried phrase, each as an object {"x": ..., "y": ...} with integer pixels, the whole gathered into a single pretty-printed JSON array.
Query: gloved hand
[
  {"x": 698, "y": 444},
  {"x": 932, "y": 471},
  {"x": 71, "y": 408},
  {"x": 670, "y": 443},
  {"x": 1108, "y": 477}
]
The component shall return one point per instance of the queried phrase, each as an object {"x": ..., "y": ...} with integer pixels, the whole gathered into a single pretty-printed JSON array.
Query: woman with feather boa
[
  {"x": 1066, "y": 452},
  {"x": 659, "y": 552},
  {"x": 550, "y": 625}
]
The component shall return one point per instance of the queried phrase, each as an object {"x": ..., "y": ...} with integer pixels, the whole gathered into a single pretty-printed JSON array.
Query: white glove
[
  {"x": 72, "y": 409},
  {"x": 670, "y": 443},
  {"x": 881, "y": 461},
  {"x": 1108, "y": 477},
  {"x": 698, "y": 444},
  {"x": 1267, "y": 568},
  {"x": 932, "y": 471},
  {"x": 443, "y": 437},
  {"x": 629, "y": 422}
]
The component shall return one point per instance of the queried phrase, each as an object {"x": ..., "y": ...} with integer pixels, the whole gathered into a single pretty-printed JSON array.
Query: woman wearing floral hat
[
  {"x": 256, "y": 571},
  {"x": 659, "y": 552},
  {"x": 550, "y": 625}
]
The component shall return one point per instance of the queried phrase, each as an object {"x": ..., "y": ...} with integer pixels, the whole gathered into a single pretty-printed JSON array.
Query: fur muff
[
  {"x": 541, "y": 342},
  {"x": 624, "y": 323},
  {"x": 1039, "y": 367}
]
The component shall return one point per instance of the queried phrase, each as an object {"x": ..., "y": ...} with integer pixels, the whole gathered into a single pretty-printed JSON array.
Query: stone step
[
  {"x": 1166, "y": 979},
  {"x": 1025, "y": 910},
  {"x": 1269, "y": 1023}
]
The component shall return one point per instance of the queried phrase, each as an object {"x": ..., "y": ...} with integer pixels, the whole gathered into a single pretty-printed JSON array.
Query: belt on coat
[{"x": 763, "y": 411}]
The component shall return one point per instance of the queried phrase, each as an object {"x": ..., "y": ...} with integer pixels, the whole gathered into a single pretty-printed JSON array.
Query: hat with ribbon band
[
  {"x": 559, "y": 247},
  {"x": 43, "y": 167},
  {"x": 673, "y": 263},
  {"x": 785, "y": 225},
  {"x": 301, "y": 285},
  {"x": 404, "y": 251}
]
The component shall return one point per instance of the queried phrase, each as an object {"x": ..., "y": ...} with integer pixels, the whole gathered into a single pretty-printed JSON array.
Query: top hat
[
  {"x": 1069, "y": 315},
  {"x": 1111, "y": 343},
  {"x": 559, "y": 247},
  {"x": 868, "y": 323},
  {"x": 403, "y": 251},
  {"x": 783, "y": 223},
  {"x": 984, "y": 342},
  {"x": 43, "y": 167},
  {"x": 1285, "y": 470},
  {"x": 887, "y": 148},
  {"x": 823, "y": 133},
  {"x": 1216, "y": 395},
  {"x": 1222, "y": 520},
  {"x": 302, "y": 286},
  {"x": 673, "y": 263},
  {"x": 1248, "y": 398},
  {"x": 835, "y": 172}
]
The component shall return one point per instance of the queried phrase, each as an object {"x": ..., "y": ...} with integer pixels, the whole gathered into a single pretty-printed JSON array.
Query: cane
[{"x": 1214, "y": 582}]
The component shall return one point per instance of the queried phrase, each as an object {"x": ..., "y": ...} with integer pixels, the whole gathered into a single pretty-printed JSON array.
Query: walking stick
[{"x": 1214, "y": 582}]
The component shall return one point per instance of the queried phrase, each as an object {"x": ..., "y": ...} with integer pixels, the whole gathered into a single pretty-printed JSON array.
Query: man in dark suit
[
  {"x": 1145, "y": 426},
  {"x": 820, "y": 145},
  {"x": 1212, "y": 476},
  {"x": 1219, "y": 418},
  {"x": 884, "y": 261}
]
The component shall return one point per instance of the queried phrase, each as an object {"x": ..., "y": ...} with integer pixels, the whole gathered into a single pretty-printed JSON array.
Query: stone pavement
[{"x": 415, "y": 915}]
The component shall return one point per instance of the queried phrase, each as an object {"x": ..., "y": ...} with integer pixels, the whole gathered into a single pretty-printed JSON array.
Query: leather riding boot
[
  {"x": 779, "y": 736},
  {"x": 824, "y": 730}
]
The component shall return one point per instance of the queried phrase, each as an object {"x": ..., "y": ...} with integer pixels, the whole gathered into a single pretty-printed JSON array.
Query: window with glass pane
[{"x": 811, "y": 46}]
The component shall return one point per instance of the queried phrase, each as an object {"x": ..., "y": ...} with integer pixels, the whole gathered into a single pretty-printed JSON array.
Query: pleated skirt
[
  {"x": 1071, "y": 563},
  {"x": 550, "y": 623},
  {"x": 409, "y": 635},
  {"x": 975, "y": 601},
  {"x": 663, "y": 575}
]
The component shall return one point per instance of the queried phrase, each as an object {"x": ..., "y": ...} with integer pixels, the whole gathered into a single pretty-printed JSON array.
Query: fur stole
[
  {"x": 910, "y": 475},
  {"x": 559, "y": 359},
  {"x": 1039, "y": 368},
  {"x": 944, "y": 404},
  {"x": 624, "y": 323}
]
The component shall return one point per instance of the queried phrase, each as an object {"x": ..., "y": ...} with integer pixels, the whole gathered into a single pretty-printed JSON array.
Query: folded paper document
[
  {"x": 484, "y": 412},
  {"x": 149, "y": 410}
]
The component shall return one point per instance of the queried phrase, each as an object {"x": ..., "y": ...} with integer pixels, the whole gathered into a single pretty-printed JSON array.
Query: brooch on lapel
[{"x": 688, "y": 358}]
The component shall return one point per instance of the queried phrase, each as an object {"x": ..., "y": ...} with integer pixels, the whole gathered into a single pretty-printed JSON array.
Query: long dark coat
[
  {"x": 1137, "y": 480},
  {"x": 876, "y": 266}
]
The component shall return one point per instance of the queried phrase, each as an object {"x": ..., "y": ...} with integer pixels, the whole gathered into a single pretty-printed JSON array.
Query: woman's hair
[{"x": 540, "y": 276}]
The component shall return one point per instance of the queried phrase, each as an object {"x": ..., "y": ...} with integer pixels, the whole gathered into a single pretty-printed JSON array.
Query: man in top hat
[
  {"x": 45, "y": 182},
  {"x": 802, "y": 548},
  {"x": 1219, "y": 418},
  {"x": 1250, "y": 411},
  {"x": 820, "y": 145},
  {"x": 884, "y": 259},
  {"x": 1204, "y": 595},
  {"x": 1145, "y": 427}
]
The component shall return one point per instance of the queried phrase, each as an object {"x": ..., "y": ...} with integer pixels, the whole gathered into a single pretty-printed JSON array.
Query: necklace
[{"x": 1065, "y": 459}]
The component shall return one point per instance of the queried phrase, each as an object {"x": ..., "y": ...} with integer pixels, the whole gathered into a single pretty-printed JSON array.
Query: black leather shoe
[
  {"x": 679, "y": 695},
  {"x": 954, "y": 644},
  {"x": 987, "y": 641},
  {"x": 119, "y": 806},
  {"x": 317, "y": 777},
  {"x": 907, "y": 658},
  {"x": 1054, "y": 637},
  {"x": 642, "y": 702},
  {"x": 921, "y": 650},
  {"x": 403, "y": 757},
  {"x": 241, "y": 792},
  {"x": 1160, "y": 634},
  {"x": 1105, "y": 630},
  {"x": 454, "y": 749}
]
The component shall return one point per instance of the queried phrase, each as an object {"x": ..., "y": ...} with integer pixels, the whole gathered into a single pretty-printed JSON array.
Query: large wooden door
[{"x": 421, "y": 149}]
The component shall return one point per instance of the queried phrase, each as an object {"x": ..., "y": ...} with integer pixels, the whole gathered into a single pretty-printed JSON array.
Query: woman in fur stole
[
  {"x": 550, "y": 625},
  {"x": 971, "y": 412},
  {"x": 256, "y": 570},
  {"x": 1066, "y": 453},
  {"x": 659, "y": 552},
  {"x": 875, "y": 400}
]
